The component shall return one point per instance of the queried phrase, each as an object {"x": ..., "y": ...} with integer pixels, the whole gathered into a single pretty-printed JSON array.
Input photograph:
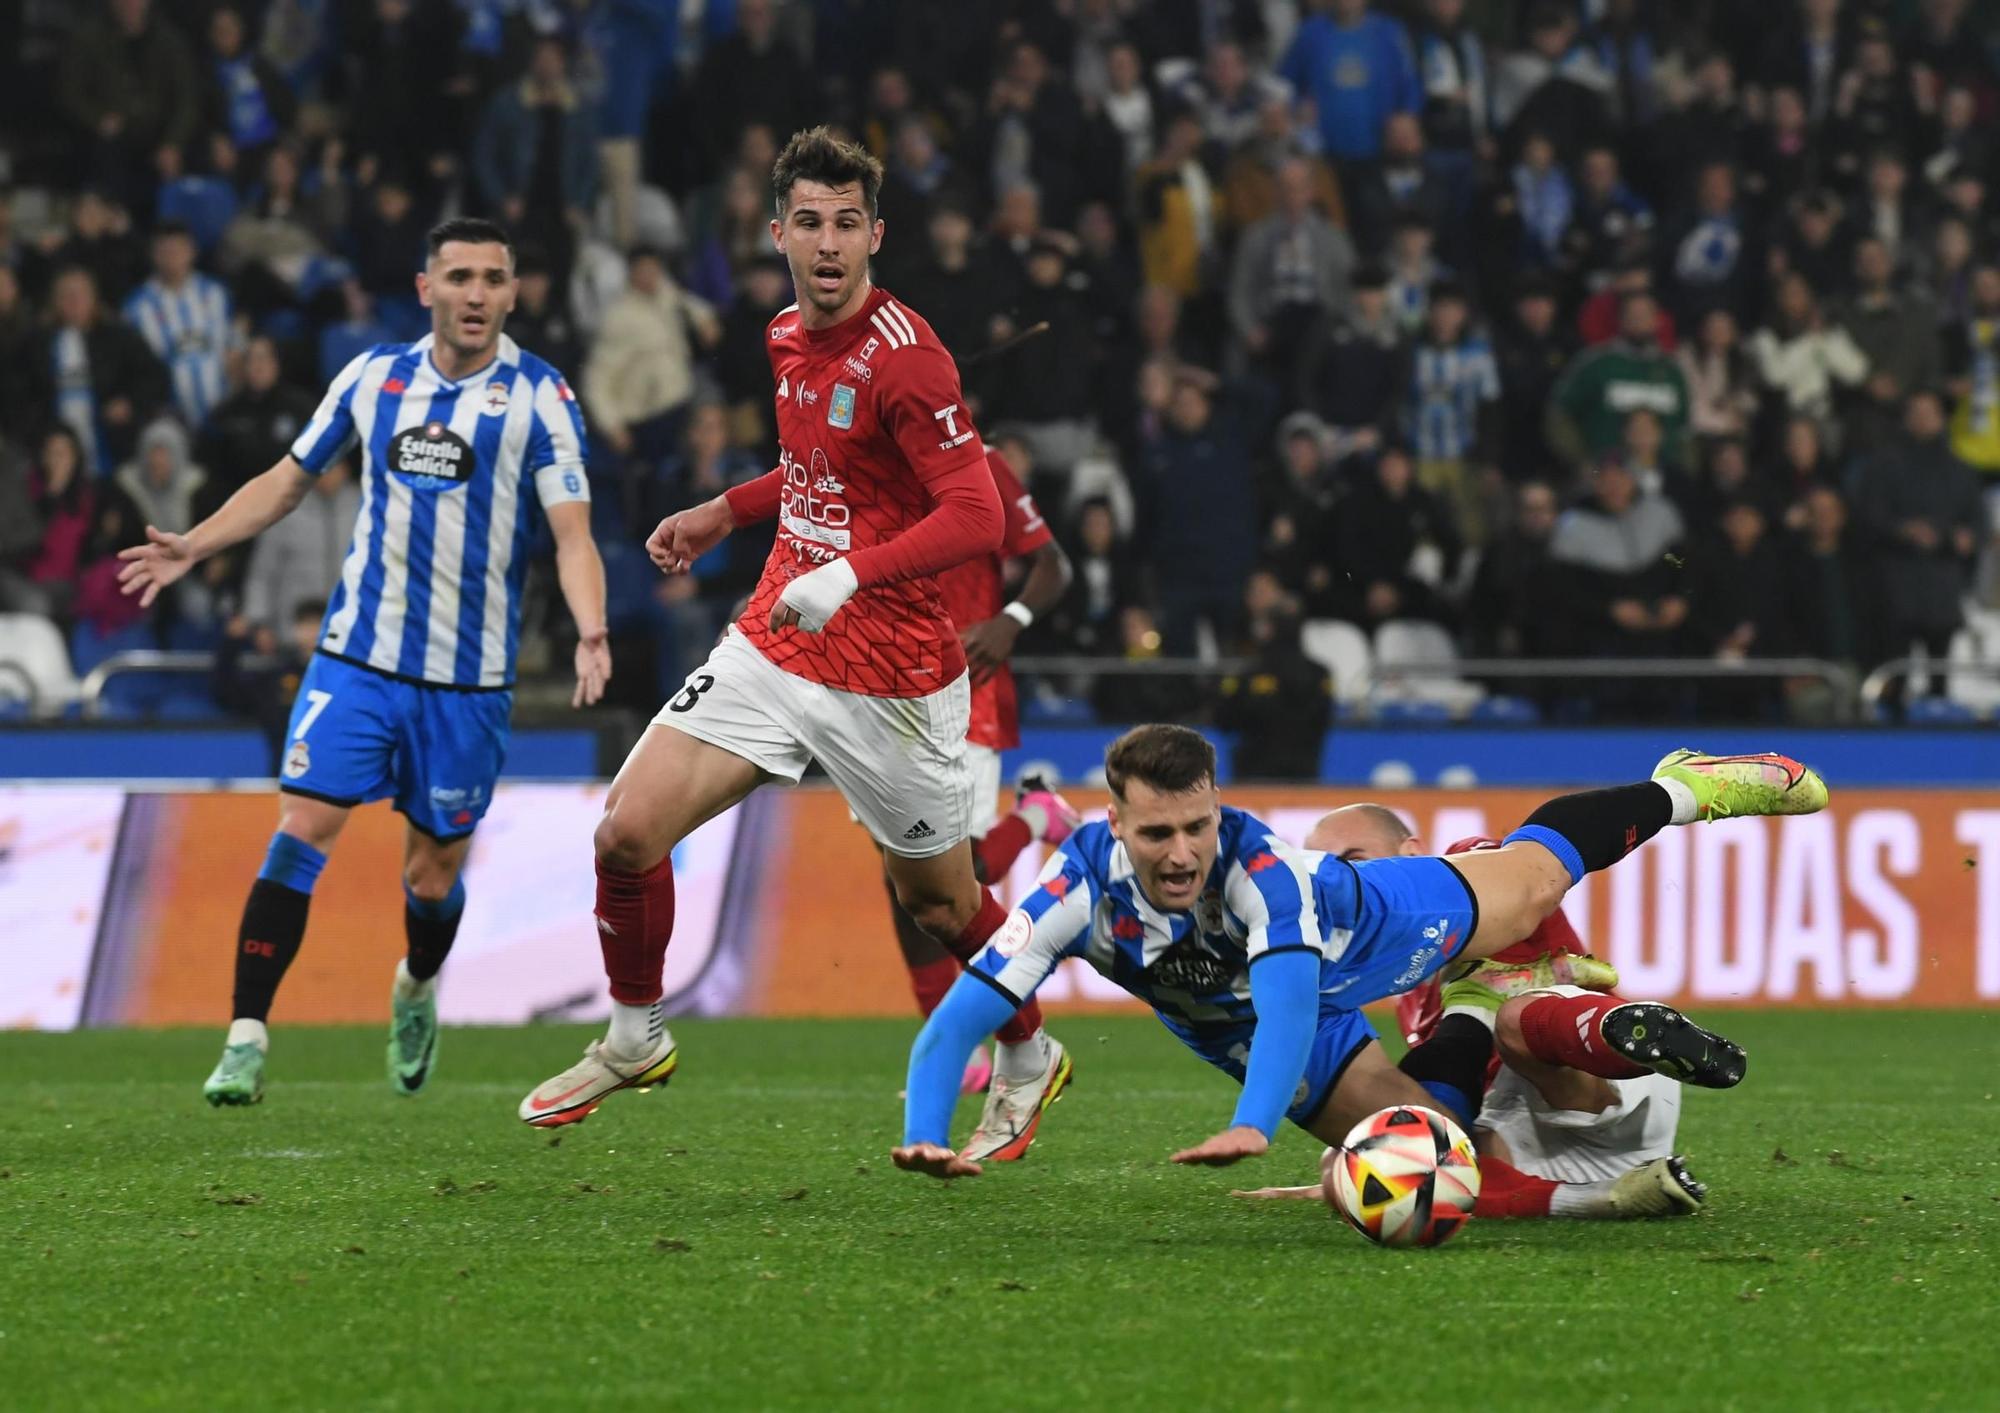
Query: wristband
[{"x": 1020, "y": 613}]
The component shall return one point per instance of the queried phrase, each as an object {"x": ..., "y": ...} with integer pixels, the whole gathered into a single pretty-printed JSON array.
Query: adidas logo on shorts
[{"x": 920, "y": 830}]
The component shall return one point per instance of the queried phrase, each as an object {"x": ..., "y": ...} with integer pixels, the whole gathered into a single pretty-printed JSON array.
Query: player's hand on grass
[
  {"x": 1312, "y": 1191},
  {"x": 930, "y": 1158},
  {"x": 154, "y": 565},
  {"x": 1227, "y": 1147},
  {"x": 687, "y": 535},
  {"x": 989, "y": 644},
  {"x": 593, "y": 668}
]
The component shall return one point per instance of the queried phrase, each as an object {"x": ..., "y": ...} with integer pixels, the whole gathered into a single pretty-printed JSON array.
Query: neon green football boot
[
  {"x": 413, "y": 1034},
  {"x": 238, "y": 1077},
  {"x": 1489, "y": 985},
  {"x": 1727, "y": 787}
]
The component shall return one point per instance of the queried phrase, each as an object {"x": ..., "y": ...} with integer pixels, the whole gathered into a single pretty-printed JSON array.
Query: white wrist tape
[{"x": 817, "y": 596}]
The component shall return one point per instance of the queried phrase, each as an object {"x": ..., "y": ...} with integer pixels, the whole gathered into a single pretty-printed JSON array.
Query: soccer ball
[{"x": 1406, "y": 1176}]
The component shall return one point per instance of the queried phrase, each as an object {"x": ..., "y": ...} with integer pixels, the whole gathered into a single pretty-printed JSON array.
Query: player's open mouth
[
  {"x": 474, "y": 323},
  {"x": 1178, "y": 882},
  {"x": 828, "y": 276}
]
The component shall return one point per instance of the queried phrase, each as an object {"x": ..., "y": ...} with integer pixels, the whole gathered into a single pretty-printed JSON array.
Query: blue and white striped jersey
[
  {"x": 1193, "y": 967},
  {"x": 1449, "y": 392},
  {"x": 191, "y": 330},
  {"x": 452, "y": 474}
]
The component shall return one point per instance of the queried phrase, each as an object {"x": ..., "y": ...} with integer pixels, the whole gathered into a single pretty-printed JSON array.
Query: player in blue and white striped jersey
[
  {"x": 1259, "y": 955},
  {"x": 186, "y": 317},
  {"x": 466, "y": 444}
]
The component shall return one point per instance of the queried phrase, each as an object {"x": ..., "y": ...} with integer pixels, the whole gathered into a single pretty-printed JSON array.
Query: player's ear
[
  {"x": 1413, "y": 845},
  {"x": 777, "y": 234},
  {"x": 1111, "y": 818},
  {"x": 875, "y": 237},
  {"x": 423, "y": 289}
]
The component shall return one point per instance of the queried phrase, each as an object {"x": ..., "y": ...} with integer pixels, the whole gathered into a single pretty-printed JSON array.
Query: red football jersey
[
  {"x": 976, "y": 590},
  {"x": 869, "y": 412}
]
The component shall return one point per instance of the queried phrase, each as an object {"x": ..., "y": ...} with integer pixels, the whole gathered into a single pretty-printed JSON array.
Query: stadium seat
[
  {"x": 1342, "y": 649},
  {"x": 1403, "y": 643},
  {"x": 1397, "y": 712},
  {"x": 1939, "y": 711},
  {"x": 206, "y": 205},
  {"x": 1506, "y": 711},
  {"x": 35, "y": 645},
  {"x": 1977, "y": 644},
  {"x": 88, "y": 646}
]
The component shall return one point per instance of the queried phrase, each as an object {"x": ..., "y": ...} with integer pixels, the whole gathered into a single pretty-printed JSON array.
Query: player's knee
[
  {"x": 427, "y": 880},
  {"x": 623, "y": 845},
  {"x": 940, "y": 916}
]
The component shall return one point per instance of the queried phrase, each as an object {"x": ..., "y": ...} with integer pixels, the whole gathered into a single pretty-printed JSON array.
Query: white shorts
[
  {"x": 985, "y": 764},
  {"x": 1570, "y": 1145},
  {"x": 900, "y": 762}
]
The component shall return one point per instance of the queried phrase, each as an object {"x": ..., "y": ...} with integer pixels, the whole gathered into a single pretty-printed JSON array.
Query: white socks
[
  {"x": 1022, "y": 1063},
  {"x": 1582, "y": 1199},
  {"x": 408, "y": 988},
  {"x": 635, "y": 1030},
  {"x": 244, "y": 1031},
  {"x": 1686, "y": 809},
  {"x": 1036, "y": 817}
]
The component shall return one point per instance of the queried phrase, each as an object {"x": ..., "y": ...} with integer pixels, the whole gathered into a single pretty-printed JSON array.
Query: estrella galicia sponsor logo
[
  {"x": 840, "y": 409},
  {"x": 433, "y": 456},
  {"x": 1189, "y": 966}
]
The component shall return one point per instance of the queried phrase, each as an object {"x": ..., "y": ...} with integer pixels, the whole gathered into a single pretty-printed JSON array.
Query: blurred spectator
[
  {"x": 1555, "y": 86},
  {"x": 1973, "y": 362},
  {"x": 1128, "y": 105},
  {"x": 1279, "y": 706},
  {"x": 404, "y": 57},
  {"x": 1623, "y": 592},
  {"x": 1944, "y": 45},
  {"x": 946, "y": 283},
  {"x": 297, "y": 561},
  {"x": 918, "y": 174},
  {"x": 1544, "y": 201},
  {"x": 1355, "y": 378},
  {"x": 1804, "y": 464},
  {"x": 99, "y": 239},
  {"x": 1642, "y": 449},
  {"x": 1611, "y": 224},
  {"x": 541, "y": 322},
  {"x": 1721, "y": 380},
  {"x": 1404, "y": 183},
  {"x": 1623, "y": 41},
  {"x": 1452, "y": 70},
  {"x": 1588, "y": 406},
  {"x": 1602, "y": 316},
  {"x": 1452, "y": 413},
  {"x": 535, "y": 157},
  {"x": 1713, "y": 253},
  {"x": 1414, "y": 270},
  {"x": 255, "y": 426},
  {"x": 1890, "y": 213},
  {"x": 1355, "y": 68},
  {"x": 1814, "y": 242},
  {"x": 1197, "y": 527},
  {"x": 1510, "y": 611},
  {"x": 1035, "y": 133},
  {"x": 94, "y": 374},
  {"x": 160, "y": 488},
  {"x": 1784, "y": 162},
  {"x": 1532, "y": 352},
  {"x": 1180, "y": 211},
  {"x": 1107, "y": 583},
  {"x": 263, "y": 692},
  {"x": 20, "y": 534},
  {"x": 1809, "y": 50},
  {"x": 65, "y": 504},
  {"x": 388, "y": 241},
  {"x": 249, "y": 103},
  {"x": 1875, "y": 107},
  {"x": 187, "y": 320},
  {"x": 640, "y": 375},
  {"x": 1291, "y": 271},
  {"x": 1897, "y": 332},
  {"x": 1737, "y": 607},
  {"x": 128, "y": 83},
  {"x": 681, "y": 616},
  {"x": 1045, "y": 385},
  {"x": 1298, "y": 538},
  {"x": 276, "y": 249},
  {"x": 1725, "y": 476},
  {"x": 17, "y": 337},
  {"x": 1963, "y": 146},
  {"x": 1712, "y": 125},
  {"x": 1142, "y": 696},
  {"x": 1394, "y": 544},
  {"x": 743, "y": 359},
  {"x": 1801, "y": 358},
  {"x": 1920, "y": 505},
  {"x": 1230, "y": 96},
  {"x": 1834, "y": 610},
  {"x": 1949, "y": 277},
  {"x": 1250, "y": 176}
]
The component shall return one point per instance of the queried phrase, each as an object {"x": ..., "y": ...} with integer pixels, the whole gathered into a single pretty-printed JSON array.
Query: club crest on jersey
[
  {"x": 495, "y": 401},
  {"x": 298, "y": 760},
  {"x": 840, "y": 411}
]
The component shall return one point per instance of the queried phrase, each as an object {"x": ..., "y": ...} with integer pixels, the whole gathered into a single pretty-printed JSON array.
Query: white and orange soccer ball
[{"x": 1406, "y": 1176}]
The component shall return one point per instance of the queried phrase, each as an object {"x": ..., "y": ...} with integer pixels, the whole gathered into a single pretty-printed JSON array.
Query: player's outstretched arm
[
  {"x": 972, "y": 1010},
  {"x": 580, "y": 572},
  {"x": 1284, "y": 987},
  {"x": 989, "y": 644},
  {"x": 259, "y": 504}
]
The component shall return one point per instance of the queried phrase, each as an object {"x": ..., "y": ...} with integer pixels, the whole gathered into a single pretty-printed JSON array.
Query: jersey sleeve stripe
[
  {"x": 887, "y": 330},
  {"x": 901, "y": 320},
  {"x": 332, "y": 430}
]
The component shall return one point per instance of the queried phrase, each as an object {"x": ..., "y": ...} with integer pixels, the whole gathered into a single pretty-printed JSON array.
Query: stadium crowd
[{"x": 1608, "y": 328}]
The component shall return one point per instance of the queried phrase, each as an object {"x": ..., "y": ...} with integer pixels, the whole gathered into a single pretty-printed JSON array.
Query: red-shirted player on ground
[
  {"x": 846, "y": 654},
  {"x": 1592, "y": 1129},
  {"x": 975, "y": 594}
]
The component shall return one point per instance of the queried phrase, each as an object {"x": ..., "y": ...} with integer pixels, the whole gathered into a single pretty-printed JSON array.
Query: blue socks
[{"x": 292, "y": 863}]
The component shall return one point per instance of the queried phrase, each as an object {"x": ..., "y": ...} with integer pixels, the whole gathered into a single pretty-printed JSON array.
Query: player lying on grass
[
  {"x": 1259, "y": 955},
  {"x": 1564, "y": 1103}
]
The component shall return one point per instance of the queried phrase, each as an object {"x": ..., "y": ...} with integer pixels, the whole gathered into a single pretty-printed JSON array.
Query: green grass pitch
[{"x": 740, "y": 1240}]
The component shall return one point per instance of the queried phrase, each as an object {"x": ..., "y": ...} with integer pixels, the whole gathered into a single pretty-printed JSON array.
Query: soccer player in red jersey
[
  {"x": 975, "y": 594},
  {"x": 845, "y": 655}
]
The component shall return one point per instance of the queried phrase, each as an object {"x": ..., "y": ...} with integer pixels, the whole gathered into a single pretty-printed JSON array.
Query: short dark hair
[
  {"x": 816, "y": 155},
  {"x": 1171, "y": 759},
  {"x": 168, "y": 229},
  {"x": 474, "y": 230},
  {"x": 314, "y": 609}
]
